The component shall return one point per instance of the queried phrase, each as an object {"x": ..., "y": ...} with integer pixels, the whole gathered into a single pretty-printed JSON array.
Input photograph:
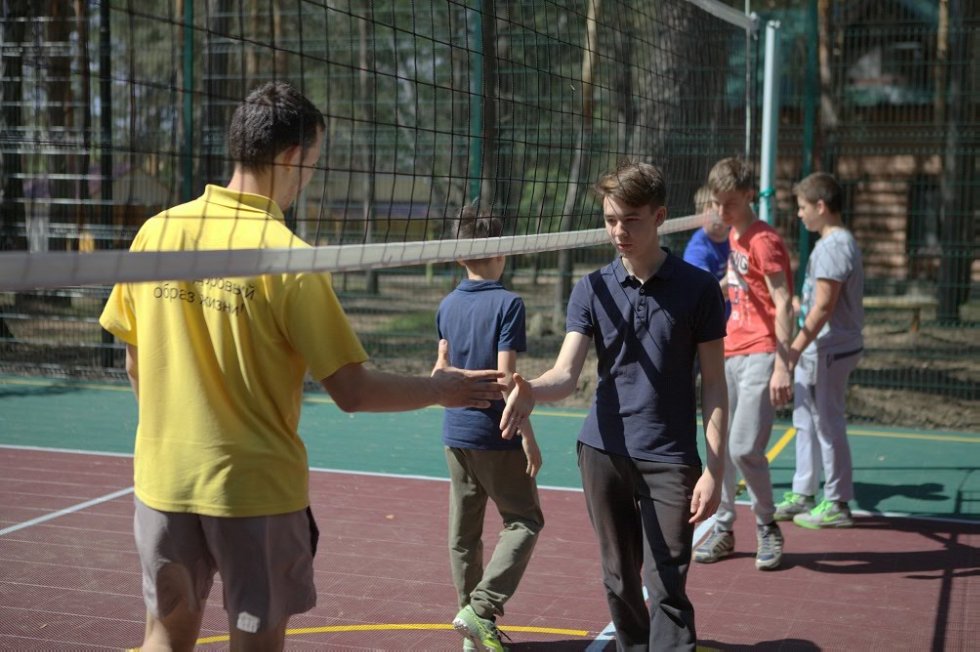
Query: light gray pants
[
  {"x": 819, "y": 416},
  {"x": 476, "y": 476},
  {"x": 749, "y": 428}
]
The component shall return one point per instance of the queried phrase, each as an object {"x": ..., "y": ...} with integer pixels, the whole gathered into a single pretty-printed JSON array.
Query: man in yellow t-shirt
[{"x": 217, "y": 365}]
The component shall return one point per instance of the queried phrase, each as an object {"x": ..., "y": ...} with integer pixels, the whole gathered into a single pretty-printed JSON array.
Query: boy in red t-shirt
[{"x": 756, "y": 363}]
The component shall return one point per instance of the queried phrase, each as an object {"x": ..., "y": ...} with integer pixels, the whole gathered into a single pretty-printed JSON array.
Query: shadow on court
[
  {"x": 945, "y": 554},
  {"x": 868, "y": 496},
  {"x": 887, "y": 583},
  {"x": 44, "y": 391}
]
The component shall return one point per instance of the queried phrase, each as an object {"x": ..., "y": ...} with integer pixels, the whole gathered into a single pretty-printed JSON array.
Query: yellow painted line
[
  {"x": 387, "y": 627},
  {"x": 781, "y": 443},
  {"x": 771, "y": 454},
  {"x": 965, "y": 439},
  {"x": 561, "y": 415},
  {"x": 545, "y": 630}
]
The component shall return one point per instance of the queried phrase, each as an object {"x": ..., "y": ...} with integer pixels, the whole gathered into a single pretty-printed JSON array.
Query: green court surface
[{"x": 896, "y": 470}]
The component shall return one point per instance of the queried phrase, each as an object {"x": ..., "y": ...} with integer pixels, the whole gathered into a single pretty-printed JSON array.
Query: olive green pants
[{"x": 476, "y": 476}]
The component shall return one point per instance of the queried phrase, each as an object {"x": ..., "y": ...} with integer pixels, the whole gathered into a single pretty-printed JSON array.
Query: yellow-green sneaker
[
  {"x": 829, "y": 513},
  {"x": 793, "y": 504},
  {"x": 482, "y": 632}
]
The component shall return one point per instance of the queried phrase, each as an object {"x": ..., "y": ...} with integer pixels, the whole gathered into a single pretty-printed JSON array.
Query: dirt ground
[
  {"x": 928, "y": 379},
  {"x": 901, "y": 387},
  {"x": 925, "y": 379}
]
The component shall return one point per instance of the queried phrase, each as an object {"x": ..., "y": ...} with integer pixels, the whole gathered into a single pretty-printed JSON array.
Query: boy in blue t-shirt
[
  {"x": 485, "y": 324},
  {"x": 708, "y": 247}
]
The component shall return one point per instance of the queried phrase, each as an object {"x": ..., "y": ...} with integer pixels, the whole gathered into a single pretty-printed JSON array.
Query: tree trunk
[
  {"x": 672, "y": 55},
  {"x": 826, "y": 135},
  {"x": 82, "y": 160},
  {"x": 955, "y": 187},
  {"x": 12, "y": 212},
  {"x": 366, "y": 97},
  {"x": 61, "y": 114},
  {"x": 580, "y": 162},
  {"x": 500, "y": 187},
  {"x": 219, "y": 93}
]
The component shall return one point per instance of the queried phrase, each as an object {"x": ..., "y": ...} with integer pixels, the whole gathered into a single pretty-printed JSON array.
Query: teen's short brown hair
[
  {"x": 634, "y": 183},
  {"x": 821, "y": 186},
  {"x": 731, "y": 174}
]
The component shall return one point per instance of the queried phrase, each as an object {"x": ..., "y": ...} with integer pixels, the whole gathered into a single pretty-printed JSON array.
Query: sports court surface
[{"x": 906, "y": 577}]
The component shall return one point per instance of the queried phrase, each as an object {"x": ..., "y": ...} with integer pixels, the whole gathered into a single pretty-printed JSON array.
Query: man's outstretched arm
[{"x": 355, "y": 388}]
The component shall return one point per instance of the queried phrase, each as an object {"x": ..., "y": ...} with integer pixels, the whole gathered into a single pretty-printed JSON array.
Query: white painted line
[
  {"x": 68, "y": 510},
  {"x": 698, "y": 533},
  {"x": 600, "y": 642},
  {"x": 407, "y": 476},
  {"x": 73, "y": 451}
]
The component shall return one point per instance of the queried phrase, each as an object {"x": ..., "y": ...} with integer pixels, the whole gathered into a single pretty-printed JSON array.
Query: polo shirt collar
[
  {"x": 468, "y": 285},
  {"x": 236, "y": 199},
  {"x": 665, "y": 272}
]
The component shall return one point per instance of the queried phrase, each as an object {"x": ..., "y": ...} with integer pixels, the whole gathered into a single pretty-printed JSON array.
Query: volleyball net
[{"x": 117, "y": 111}]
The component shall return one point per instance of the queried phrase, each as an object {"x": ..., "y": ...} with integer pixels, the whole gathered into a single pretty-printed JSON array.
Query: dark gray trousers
[{"x": 640, "y": 513}]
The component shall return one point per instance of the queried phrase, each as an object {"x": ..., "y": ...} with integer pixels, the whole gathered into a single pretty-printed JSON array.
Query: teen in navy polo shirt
[
  {"x": 647, "y": 313},
  {"x": 485, "y": 324}
]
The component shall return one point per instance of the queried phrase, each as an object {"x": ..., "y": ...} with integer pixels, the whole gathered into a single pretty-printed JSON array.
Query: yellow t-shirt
[{"x": 222, "y": 361}]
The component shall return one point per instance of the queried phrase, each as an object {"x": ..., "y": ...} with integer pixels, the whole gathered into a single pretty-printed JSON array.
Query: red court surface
[{"x": 72, "y": 581}]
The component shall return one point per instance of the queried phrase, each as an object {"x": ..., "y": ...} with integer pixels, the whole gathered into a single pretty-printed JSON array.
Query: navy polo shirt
[
  {"x": 479, "y": 318},
  {"x": 646, "y": 338}
]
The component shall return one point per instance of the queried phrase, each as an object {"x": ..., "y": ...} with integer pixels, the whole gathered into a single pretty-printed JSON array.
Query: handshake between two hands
[{"x": 469, "y": 388}]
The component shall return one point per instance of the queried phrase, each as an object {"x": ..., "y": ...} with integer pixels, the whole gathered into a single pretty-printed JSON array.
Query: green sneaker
[
  {"x": 469, "y": 646},
  {"x": 481, "y": 632},
  {"x": 793, "y": 504},
  {"x": 829, "y": 513}
]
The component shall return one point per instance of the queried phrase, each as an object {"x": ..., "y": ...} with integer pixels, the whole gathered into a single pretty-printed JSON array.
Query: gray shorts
[{"x": 265, "y": 562}]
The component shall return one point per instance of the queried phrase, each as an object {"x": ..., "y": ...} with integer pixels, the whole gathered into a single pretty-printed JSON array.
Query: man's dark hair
[
  {"x": 274, "y": 117},
  {"x": 821, "y": 186},
  {"x": 635, "y": 184}
]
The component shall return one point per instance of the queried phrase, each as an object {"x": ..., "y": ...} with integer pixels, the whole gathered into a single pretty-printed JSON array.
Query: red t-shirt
[{"x": 752, "y": 324}]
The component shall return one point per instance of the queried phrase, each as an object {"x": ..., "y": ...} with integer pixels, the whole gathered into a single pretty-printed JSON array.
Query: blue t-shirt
[
  {"x": 646, "y": 338},
  {"x": 711, "y": 256},
  {"x": 479, "y": 318}
]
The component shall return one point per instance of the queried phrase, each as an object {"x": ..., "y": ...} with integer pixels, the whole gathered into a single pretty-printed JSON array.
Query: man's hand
[
  {"x": 531, "y": 450},
  {"x": 706, "y": 497},
  {"x": 518, "y": 408},
  {"x": 462, "y": 387},
  {"x": 780, "y": 385}
]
